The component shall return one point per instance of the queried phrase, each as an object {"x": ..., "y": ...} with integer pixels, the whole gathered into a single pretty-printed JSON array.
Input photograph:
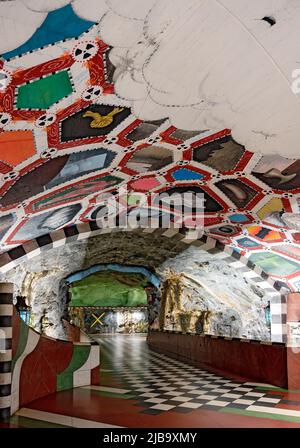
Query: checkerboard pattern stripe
[
  {"x": 277, "y": 290},
  {"x": 6, "y": 312}
]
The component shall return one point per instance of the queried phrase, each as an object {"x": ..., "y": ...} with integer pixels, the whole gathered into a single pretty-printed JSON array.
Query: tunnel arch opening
[{"x": 276, "y": 290}]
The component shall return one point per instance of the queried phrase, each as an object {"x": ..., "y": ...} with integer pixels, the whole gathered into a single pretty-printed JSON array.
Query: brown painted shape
[
  {"x": 144, "y": 130},
  {"x": 238, "y": 192},
  {"x": 150, "y": 159},
  {"x": 182, "y": 134},
  {"x": 33, "y": 182},
  {"x": 222, "y": 155},
  {"x": 293, "y": 367},
  {"x": 274, "y": 182}
]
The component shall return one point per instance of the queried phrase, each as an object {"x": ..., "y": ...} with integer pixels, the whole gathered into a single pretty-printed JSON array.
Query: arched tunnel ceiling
[{"x": 132, "y": 102}]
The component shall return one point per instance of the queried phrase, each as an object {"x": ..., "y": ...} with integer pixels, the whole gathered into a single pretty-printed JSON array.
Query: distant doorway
[
  {"x": 103, "y": 320},
  {"x": 112, "y": 299}
]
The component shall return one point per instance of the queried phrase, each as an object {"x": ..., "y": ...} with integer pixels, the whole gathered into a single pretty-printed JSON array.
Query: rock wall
[
  {"x": 212, "y": 289},
  {"x": 41, "y": 280},
  {"x": 237, "y": 305}
]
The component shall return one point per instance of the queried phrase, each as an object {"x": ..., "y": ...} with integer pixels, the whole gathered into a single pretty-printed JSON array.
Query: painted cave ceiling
[{"x": 120, "y": 93}]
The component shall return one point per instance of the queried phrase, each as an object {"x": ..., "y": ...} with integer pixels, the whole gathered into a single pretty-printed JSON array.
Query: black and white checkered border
[
  {"x": 276, "y": 290},
  {"x": 6, "y": 312}
]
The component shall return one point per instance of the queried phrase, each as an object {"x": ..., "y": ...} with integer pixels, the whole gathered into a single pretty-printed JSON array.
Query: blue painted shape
[
  {"x": 246, "y": 242},
  {"x": 268, "y": 314},
  {"x": 25, "y": 316},
  {"x": 113, "y": 267},
  {"x": 60, "y": 24},
  {"x": 185, "y": 174},
  {"x": 238, "y": 218},
  {"x": 81, "y": 163}
]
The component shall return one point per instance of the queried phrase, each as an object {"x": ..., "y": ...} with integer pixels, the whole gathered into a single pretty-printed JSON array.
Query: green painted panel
[
  {"x": 80, "y": 355},
  {"x": 64, "y": 381},
  {"x": 23, "y": 336},
  {"x": 25, "y": 422},
  {"x": 271, "y": 415},
  {"x": 277, "y": 389},
  {"x": 107, "y": 289},
  {"x": 274, "y": 264},
  {"x": 44, "y": 92}
]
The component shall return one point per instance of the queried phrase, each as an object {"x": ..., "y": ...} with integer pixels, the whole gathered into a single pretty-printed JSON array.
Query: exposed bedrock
[{"x": 236, "y": 305}]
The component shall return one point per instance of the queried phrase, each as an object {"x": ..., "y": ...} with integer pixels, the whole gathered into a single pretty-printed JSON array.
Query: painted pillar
[
  {"x": 6, "y": 312},
  {"x": 293, "y": 341}
]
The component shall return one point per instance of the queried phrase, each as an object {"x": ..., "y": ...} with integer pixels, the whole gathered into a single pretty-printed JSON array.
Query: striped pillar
[{"x": 6, "y": 312}]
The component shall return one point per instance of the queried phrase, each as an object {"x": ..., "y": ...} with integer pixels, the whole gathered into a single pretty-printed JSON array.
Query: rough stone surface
[
  {"x": 41, "y": 280},
  {"x": 237, "y": 304},
  {"x": 210, "y": 284}
]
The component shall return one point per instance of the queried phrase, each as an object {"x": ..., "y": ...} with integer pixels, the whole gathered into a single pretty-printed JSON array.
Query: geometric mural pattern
[{"x": 66, "y": 139}]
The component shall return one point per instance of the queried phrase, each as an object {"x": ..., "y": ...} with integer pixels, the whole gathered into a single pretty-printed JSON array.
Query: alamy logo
[{"x": 126, "y": 209}]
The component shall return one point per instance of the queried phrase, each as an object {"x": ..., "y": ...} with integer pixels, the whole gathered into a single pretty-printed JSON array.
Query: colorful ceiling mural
[{"x": 68, "y": 136}]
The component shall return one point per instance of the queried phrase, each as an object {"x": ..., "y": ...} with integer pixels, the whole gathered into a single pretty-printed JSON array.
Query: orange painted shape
[
  {"x": 252, "y": 230},
  {"x": 16, "y": 146},
  {"x": 272, "y": 235}
]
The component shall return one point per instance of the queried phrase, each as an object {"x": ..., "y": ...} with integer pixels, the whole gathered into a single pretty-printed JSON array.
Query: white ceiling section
[
  {"x": 205, "y": 64},
  {"x": 17, "y": 24}
]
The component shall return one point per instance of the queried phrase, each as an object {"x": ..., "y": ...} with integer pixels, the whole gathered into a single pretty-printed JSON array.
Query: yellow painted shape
[
  {"x": 101, "y": 121},
  {"x": 97, "y": 319},
  {"x": 274, "y": 205}
]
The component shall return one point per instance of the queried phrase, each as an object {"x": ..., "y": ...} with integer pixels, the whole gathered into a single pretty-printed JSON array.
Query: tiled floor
[
  {"x": 140, "y": 388},
  {"x": 160, "y": 383}
]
